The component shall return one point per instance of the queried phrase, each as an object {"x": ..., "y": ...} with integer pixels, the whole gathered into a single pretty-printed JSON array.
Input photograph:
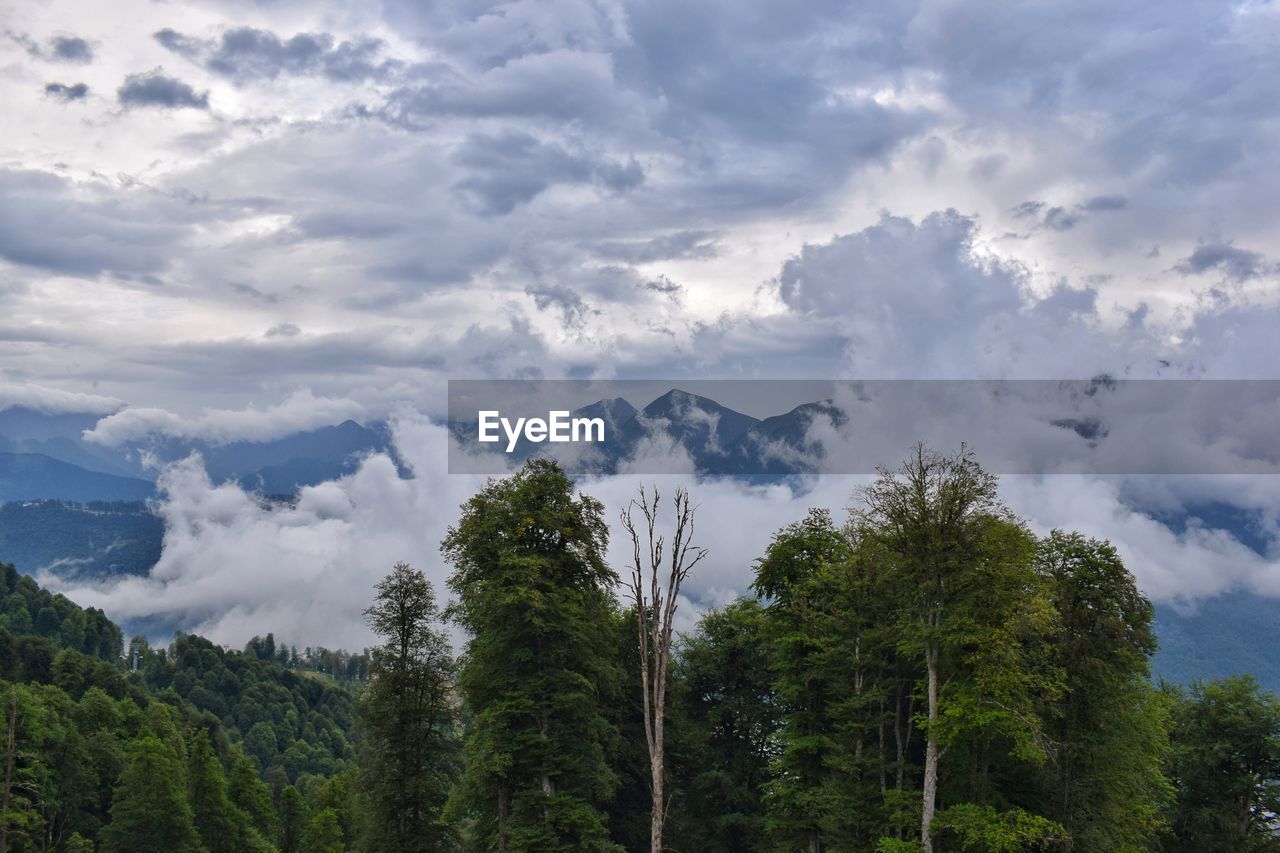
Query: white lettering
[
  {"x": 488, "y": 423},
  {"x": 558, "y": 427}
]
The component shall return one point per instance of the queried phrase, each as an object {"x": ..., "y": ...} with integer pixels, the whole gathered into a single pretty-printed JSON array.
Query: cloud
[
  {"x": 65, "y": 93},
  {"x": 1236, "y": 264},
  {"x": 56, "y": 401},
  {"x": 155, "y": 89},
  {"x": 70, "y": 49},
  {"x": 918, "y": 300},
  {"x": 245, "y": 54},
  {"x": 513, "y": 168},
  {"x": 300, "y": 411},
  {"x": 232, "y": 564},
  {"x": 96, "y": 229}
]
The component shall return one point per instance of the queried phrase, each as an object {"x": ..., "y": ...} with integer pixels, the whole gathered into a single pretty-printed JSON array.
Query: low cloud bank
[
  {"x": 233, "y": 566},
  {"x": 300, "y": 411}
]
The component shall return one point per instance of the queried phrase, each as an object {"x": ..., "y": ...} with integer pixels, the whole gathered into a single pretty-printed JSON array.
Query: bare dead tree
[{"x": 655, "y": 597}]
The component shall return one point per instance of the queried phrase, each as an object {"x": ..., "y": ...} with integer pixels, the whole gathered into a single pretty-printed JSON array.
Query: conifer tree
[
  {"x": 411, "y": 751},
  {"x": 215, "y": 817},
  {"x": 150, "y": 812},
  {"x": 533, "y": 588}
]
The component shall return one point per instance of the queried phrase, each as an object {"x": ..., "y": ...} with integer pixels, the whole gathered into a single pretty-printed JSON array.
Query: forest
[{"x": 923, "y": 673}]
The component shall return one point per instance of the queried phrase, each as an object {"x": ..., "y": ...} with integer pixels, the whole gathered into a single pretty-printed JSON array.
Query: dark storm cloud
[
  {"x": 154, "y": 89},
  {"x": 1235, "y": 263},
  {"x": 71, "y": 49},
  {"x": 65, "y": 93},
  {"x": 245, "y": 54},
  {"x": 509, "y": 169}
]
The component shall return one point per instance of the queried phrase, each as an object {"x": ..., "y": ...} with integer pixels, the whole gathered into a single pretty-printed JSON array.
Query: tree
[
  {"x": 795, "y": 576},
  {"x": 215, "y": 817},
  {"x": 292, "y": 820},
  {"x": 250, "y": 794},
  {"x": 410, "y": 752},
  {"x": 150, "y": 812},
  {"x": 973, "y": 596},
  {"x": 1110, "y": 728},
  {"x": 1225, "y": 767},
  {"x": 533, "y": 588},
  {"x": 324, "y": 834},
  {"x": 655, "y": 599},
  {"x": 726, "y": 720}
]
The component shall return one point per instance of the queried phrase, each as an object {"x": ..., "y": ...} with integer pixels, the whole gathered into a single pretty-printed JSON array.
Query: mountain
[
  {"x": 89, "y": 541},
  {"x": 32, "y": 476},
  {"x": 1229, "y": 634},
  {"x": 281, "y": 465},
  {"x": 706, "y": 429},
  {"x": 278, "y": 466}
]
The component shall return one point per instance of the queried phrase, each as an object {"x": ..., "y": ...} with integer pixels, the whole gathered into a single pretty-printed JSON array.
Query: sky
[{"x": 237, "y": 220}]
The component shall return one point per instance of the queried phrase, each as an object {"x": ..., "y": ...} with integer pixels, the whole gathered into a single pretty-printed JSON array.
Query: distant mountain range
[
  {"x": 720, "y": 441},
  {"x": 46, "y": 457}
]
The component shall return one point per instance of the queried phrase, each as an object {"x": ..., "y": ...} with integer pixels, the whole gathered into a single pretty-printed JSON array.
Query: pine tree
[
  {"x": 324, "y": 834},
  {"x": 150, "y": 812},
  {"x": 216, "y": 818},
  {"x": 292, "y": 820},
  {"x": 794, "y": 575},
  {"x": 533, "y": 588},
  {"x": 251, "y": 795},
  {"x": 411, "y": 752}
]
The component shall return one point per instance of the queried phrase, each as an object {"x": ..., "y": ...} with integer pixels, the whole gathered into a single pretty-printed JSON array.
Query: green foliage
[
  {"x": 982, "y": 829},
  {"x": 293, "y": 820},
  {"x": 533, "y": 588},
  {"x": 411, "y": 755},
  {"x": 324, "y": 834},
  {"x": 217, "y": 821},
  {"x": 801, "y": 719},
  {"x": 150, "y": 811},
  {"x": 26, "y": 609},
  {"x": 724, "y": 719},
  {"x": 1225, "y": 767}
]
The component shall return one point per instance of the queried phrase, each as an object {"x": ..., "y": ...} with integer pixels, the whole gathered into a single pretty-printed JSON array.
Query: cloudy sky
[{"x": 242, "y": 219}]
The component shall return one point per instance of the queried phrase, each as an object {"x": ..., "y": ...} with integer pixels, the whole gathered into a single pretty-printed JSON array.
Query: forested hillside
[
  {"x": 73, "y": 540},
  {"x": 923, "y": 674}
]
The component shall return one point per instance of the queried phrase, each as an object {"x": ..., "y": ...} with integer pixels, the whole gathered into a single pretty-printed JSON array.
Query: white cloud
[
  {"x": 56, "y": 401},
  {"x": 300, "y": 411}
]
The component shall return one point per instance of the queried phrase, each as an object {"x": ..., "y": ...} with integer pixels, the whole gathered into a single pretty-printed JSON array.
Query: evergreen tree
[
  {"x": 794, "y": 575},
  {"x": 725, "y": 718},
  {"x": 324, "y": 834},
  {"x": 251, "y": 795},
  {"x": 1225, "y": 767},
  {"x": 216, "y": 819},
  {"x": 533, "y": 588},
  {"x": 150, "y": 812},
  {"x": 410, "y": 751},
  {"x": 292, "y": 820},
  {"x": 1105, "y": 781}
]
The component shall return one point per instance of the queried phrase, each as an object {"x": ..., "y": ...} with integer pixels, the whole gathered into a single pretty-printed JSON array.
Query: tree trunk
[
  {"x": 930, "y": 753},
  {"x": 8, "y": 768},
  {"x": 658, "y": 811},
  {"x": 504, "y": 812}
]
